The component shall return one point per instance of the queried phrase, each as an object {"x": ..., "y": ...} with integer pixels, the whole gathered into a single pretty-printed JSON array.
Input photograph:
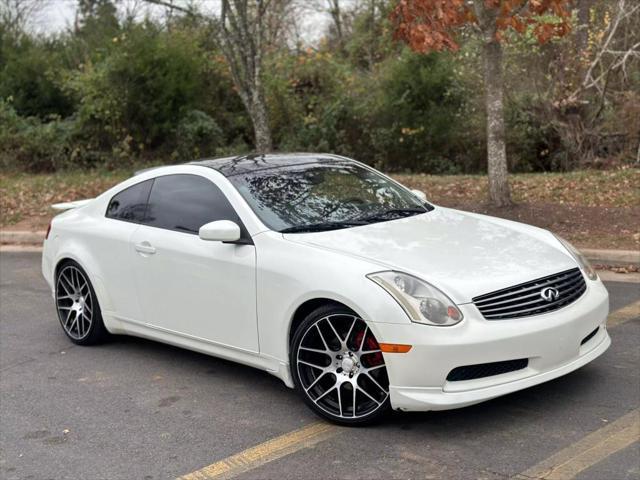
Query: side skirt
[{"x": 201, "y": 345}]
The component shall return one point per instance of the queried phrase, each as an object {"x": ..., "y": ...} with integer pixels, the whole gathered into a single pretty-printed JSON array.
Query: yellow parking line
[
  {"x": 265, "y": 452},
  {"x": 592, "y": 449},
  {"x": 624, "y": 314}
]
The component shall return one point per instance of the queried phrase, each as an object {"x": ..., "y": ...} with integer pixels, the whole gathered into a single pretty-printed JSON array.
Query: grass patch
[
  {"x": 587, "y": 188},
  {"x": 24, "y": 196}
]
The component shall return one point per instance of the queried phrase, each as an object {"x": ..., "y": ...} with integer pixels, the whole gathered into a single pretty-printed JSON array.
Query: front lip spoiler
[{"x": 429, "y": 398}]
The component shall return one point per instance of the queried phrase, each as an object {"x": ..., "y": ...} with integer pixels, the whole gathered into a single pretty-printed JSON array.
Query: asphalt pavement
[{"x": 135, "y": 409}]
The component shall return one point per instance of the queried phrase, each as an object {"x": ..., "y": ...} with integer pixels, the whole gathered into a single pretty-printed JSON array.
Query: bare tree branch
[
  {"x": 623, "y": 11},
  {"x": 173, "y": 6}
]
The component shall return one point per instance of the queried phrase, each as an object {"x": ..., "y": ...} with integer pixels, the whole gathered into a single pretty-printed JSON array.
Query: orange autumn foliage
[{"x": 429, "y": 25}]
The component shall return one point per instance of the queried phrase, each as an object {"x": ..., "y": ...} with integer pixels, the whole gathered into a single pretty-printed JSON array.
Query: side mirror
[
  {"x": 220, "y": 231},
  {"x": 420, "y": 194}
]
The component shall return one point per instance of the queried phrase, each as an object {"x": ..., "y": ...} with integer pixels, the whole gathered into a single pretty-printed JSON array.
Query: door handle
[{"x": 145, "y": 247}]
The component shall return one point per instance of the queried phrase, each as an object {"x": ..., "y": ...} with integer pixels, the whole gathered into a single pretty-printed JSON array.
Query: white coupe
[{"x": 349, "y": 287}]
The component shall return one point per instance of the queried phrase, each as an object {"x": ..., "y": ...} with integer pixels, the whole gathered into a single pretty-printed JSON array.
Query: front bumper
[{"x": 551, "y": 342}]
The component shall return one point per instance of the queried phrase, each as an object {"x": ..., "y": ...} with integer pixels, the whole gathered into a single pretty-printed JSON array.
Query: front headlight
[
  {"x": 423, "y": 303},
  {"x": 579, "y": 258}
]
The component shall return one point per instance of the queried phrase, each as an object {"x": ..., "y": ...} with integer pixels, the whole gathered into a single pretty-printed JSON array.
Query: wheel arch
[
  {"x": 306, "y": 308},
  {"x": 60, "y": 262},
  {"x": 304, "y": 305},
  {"x": 87, "y": 264}
]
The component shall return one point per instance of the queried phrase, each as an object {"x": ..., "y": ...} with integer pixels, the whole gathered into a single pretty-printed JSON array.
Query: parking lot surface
[{"x": 135, "y": 409}]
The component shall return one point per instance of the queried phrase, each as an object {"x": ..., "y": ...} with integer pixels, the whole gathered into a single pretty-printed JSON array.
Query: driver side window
[{"x": 184, "y": 203}]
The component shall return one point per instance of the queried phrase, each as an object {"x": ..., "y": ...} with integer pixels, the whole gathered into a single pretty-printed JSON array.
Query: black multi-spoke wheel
[
  {"x": 338, "y": 367},
  {"x": 77, "y": 305}
]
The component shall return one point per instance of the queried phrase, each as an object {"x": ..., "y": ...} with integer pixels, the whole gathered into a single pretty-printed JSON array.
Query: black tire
[
  {"x": 77, "y": 305},
  {"x": 366, "y": 367}
]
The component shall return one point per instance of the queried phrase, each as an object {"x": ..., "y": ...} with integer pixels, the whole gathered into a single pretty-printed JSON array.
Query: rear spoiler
[{"x": 70, "y": 205}]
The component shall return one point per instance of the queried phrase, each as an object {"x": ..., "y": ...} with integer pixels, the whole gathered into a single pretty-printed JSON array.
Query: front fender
[{"x": 325, "y": 275}]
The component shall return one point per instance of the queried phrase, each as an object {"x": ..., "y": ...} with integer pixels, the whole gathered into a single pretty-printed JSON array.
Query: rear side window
[
  {"x": 130, "y": 204},
  {"x": 186, "y": 202}
]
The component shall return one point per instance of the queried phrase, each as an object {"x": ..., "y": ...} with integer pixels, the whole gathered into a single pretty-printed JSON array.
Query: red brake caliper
[{"x": 371, "y": 359}]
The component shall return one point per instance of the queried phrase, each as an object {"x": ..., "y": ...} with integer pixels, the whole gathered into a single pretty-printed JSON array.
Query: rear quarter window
[{"x": 131, "y": 203}]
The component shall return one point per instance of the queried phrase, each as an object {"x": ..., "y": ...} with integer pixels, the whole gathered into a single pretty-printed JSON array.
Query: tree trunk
[
  {"x": 260, "y": 120},
  {"x": 244, "y": 42},
  {"x": 336, "y": 15},
  {"x": 499, "y": 193},
  {"x": 372, "y": 32}
]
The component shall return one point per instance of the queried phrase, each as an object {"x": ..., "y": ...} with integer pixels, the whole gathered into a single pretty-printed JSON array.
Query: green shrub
[
  {"x": 307, "y": 100},
  {"x": 532, "y": 144},
  {"x": 197, "y": 135},
  {"x": 417, "y": 117},
  {"x": 28, "y": 144},
  {"x": 113, "y": 92},
  {"x": 29, "y": 74},
  {"x": 141, "y": 89}
]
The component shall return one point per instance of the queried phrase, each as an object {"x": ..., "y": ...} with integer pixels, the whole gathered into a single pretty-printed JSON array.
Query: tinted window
[
  {"x": 130, "y": 204},
  {"x": 186, "y": 202}
]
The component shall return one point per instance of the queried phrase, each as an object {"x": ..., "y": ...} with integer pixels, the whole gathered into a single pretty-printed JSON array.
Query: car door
[
  {"x": 110, "y": 244},
  {"x": 200, "y": 289}
]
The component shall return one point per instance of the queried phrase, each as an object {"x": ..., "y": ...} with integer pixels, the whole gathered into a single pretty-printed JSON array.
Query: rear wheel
[
  {"x": 77, "y": 305},
  {"x": 338, "y": 367}
]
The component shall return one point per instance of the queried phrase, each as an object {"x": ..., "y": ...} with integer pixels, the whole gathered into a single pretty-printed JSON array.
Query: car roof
[{"x": 229, "y": 166}]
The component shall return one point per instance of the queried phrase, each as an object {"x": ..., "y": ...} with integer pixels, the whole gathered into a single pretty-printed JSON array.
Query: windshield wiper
[
  {"x": 392, "y": 214},
  {"x": 323, "y": 226},
  {"x": 379, "y": 216}
]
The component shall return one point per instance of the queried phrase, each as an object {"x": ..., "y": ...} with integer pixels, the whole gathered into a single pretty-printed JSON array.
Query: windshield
[{"x": 324, "y": 196}]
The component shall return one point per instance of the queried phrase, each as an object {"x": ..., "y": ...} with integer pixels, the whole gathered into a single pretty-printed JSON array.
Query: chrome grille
[{"x": 526, "y": 299}]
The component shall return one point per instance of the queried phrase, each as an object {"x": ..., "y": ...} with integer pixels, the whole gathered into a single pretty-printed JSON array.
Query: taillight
[{"x": 48, "y": 230}]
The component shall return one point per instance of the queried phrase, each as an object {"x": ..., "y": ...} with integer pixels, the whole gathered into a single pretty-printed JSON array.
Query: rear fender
[{"x": 77, "y": 252}]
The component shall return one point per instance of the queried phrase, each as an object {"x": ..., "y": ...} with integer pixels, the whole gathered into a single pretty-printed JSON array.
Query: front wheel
[{"x": 338, "y": 367}]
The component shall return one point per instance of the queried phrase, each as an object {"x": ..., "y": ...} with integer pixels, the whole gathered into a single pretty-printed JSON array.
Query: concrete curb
[
  {"x": 20, "y": 248},
  {"x": 21, "y": 237},
  {"x": 606, "y": 257},
  {"x": 609, "y": 276},
  {"x": 612, "y": 257}
]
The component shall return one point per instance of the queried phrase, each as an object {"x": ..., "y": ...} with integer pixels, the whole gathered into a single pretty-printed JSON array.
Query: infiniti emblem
[{"x": 549, "y": 294}]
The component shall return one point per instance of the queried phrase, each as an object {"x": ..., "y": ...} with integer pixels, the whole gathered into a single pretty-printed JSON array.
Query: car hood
[{"x": 463, "y": 254}]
